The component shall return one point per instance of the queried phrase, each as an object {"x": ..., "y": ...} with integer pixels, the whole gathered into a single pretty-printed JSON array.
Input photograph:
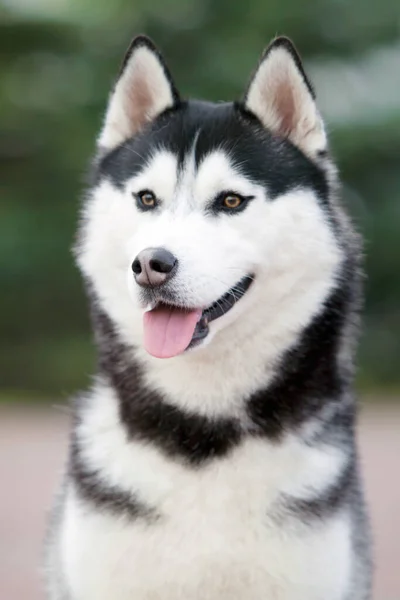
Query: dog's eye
[
  {"x": 232, "y": 201},
  {"x": 146, "y": 199},
  {"x": 229, "y": 203}
]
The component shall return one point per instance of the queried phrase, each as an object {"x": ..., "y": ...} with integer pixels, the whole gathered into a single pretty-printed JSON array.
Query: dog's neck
[{"x": 306, "y": 377}]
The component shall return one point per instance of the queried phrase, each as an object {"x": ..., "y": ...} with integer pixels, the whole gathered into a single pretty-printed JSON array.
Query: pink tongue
[{"x": 168, "y": 331}]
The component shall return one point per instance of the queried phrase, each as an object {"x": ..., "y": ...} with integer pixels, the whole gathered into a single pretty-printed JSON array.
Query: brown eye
[
  {"x": 147, "y": 199},
  {"x": 232, "y": 201}
]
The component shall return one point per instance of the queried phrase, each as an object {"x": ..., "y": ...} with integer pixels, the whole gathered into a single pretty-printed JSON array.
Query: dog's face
[{"x": 207, "y": 215}]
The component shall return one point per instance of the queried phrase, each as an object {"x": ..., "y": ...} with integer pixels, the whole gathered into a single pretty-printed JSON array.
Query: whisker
[{"x": 135, "y": 152}]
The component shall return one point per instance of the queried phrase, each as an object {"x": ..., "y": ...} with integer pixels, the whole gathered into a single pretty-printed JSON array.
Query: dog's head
[{"x": 206, "y": 215}]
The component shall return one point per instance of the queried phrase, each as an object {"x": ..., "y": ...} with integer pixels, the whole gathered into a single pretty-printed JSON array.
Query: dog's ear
[
  {"x": 282, "y": 98},
  {"x": 144, "y": 89}
]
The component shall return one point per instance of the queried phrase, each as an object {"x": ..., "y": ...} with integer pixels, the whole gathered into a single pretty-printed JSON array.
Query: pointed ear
[
  {"x": 282, "y": 98},
  {"x": 144, "y": 89}
]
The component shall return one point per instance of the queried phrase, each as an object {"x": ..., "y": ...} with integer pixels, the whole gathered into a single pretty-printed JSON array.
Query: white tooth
[{"x": 149, "y": 307}]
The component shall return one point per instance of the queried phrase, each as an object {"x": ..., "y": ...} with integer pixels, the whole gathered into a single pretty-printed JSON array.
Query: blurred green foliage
[{"x": 58, "y": 60}]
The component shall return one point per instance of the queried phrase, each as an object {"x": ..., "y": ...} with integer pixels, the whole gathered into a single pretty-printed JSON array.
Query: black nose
[{"x": 154, "y": 266}]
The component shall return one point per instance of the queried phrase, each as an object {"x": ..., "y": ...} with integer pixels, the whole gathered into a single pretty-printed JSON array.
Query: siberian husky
[{"x": 214, "y": 457}]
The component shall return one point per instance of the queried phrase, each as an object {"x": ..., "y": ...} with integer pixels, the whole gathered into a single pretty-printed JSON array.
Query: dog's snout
[{"x": 154, "y": 266}]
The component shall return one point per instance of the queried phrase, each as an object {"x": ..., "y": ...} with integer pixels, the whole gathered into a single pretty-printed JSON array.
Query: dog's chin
[
  {"x": 219, "y": 314},
  {"x": 198, "y": 324}
]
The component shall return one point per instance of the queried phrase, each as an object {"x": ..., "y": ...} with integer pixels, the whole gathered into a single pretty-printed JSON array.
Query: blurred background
[{"x": 58, "y": 59}]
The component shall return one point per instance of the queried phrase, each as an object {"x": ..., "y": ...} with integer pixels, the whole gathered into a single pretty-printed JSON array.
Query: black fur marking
[
  {"x": 322, "y": 153},
  {"x": 268, "y": 160},
  {"x": 337, "y": 429},
  {"x": 308, "y": 376},
  {"x": 323, "y": 505},
  {"x": 147, "y": 416},
  {"x": 192, "y": 437},
  {"x": 93, "y": 490}
]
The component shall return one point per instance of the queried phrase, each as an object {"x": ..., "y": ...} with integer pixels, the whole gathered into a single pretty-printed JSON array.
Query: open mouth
[{"x": 169, "y": 330}]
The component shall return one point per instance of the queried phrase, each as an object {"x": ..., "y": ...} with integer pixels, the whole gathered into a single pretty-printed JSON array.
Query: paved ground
[{"x": 32, "y": 450}]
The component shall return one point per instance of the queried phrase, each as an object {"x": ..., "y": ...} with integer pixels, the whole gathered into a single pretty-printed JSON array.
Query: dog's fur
[{"x": 229, "y": 471}]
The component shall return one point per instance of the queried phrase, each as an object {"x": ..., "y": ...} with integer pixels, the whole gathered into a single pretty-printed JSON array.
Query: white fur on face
[{"x": 287, "y": 243}]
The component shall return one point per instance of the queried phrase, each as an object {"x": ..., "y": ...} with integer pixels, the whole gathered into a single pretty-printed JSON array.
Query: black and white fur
[{"x": 230, "y": 471}]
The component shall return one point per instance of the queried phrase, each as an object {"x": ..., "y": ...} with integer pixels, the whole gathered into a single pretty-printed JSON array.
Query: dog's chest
[{"x": 216, "y": 533}]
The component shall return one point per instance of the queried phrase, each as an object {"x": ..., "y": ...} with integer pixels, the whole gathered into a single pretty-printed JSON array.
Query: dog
[{"x": 214, "y": 456}]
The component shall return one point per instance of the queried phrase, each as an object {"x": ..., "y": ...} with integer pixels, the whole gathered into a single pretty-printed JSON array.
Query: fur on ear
[
  {"x": 144, "y": 89},
  {"x": 282, "y": 98}
]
